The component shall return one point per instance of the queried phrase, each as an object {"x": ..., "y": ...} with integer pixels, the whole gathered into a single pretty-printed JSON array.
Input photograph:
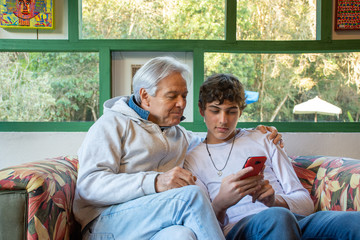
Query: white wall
[
  {"x": 21, "y": 147},
  {"x": 331, "y": 144}
]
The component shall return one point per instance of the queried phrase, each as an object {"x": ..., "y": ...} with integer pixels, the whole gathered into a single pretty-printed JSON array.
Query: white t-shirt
[{"x": 278, "y": 170}]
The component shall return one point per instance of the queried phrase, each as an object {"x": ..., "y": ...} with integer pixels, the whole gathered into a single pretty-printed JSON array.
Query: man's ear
[
  {"x": 144, "y": 96},
  {"x": 201, "y": 110}
]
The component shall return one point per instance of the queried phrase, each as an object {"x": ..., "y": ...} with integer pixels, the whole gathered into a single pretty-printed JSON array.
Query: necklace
[{"x": 212, "y": 161}]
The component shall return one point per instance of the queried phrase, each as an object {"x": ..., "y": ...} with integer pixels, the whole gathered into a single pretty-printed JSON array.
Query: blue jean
[
  {"x": 280, "y": 223},
  {"x": 182, "y": 213}
]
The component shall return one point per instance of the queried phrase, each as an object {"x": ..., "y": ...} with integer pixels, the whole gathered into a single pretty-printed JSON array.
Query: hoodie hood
[
  {"x": 120, "y": 105},
  {"x": 111, "y": 102}
]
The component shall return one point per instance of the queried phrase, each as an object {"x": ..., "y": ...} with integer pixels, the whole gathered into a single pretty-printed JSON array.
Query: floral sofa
[{"x": 36, "y": 198}]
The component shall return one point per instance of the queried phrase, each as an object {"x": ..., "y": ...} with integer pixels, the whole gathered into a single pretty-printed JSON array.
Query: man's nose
[
  {"x": 223, "y": 117},
  {"x": 181, "y": 102}
]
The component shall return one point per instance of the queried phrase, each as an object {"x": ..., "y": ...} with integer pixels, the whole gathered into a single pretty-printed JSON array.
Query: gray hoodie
[{"x": 120, "y": 157}]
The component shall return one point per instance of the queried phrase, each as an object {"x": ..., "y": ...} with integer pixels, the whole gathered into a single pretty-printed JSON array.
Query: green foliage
[
  {"x": 65, "y": 86},
  {"x": 144, "y": 19},
  {"x": 284, "y": 80},
  {"x": 350, "y": 117},
  {"x": 276, "y": 20},
  {"x": 49, "y": 87}
]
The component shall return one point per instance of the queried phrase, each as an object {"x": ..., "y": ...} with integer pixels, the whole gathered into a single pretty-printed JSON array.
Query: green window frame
[{"x": 74, "y": 43}]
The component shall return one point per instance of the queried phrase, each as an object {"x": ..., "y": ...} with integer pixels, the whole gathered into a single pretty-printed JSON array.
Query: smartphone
[{"x": 257, "y": 163}]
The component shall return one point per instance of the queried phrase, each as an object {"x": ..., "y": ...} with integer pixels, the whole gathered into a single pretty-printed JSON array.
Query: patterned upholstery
[
  {"x": 333, "y": 182},
  {"x": 50, "y": 186}
]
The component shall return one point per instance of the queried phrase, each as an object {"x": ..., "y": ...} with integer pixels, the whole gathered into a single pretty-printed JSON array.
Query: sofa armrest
[
  {"x": 50, "y": 188},
  {"x": 13, "y": 214}
]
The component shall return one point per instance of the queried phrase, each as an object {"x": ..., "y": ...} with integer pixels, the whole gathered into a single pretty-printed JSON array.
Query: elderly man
[{"x": 131, "y": 184}]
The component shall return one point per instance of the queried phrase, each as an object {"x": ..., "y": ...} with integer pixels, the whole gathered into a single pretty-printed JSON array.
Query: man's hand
[
  {"x": 174, "y": 178},
  {"x": 266, "y": 194},
  {"x": 274, "y": 135},
  {"x": 232, "y": 190}
]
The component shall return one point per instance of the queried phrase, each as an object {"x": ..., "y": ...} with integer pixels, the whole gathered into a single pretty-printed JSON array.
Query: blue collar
[{"x": 142, "y": 113}]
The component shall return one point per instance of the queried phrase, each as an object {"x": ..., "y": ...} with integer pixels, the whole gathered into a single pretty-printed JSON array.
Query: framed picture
[
  {"x": 28, "y": 14},
  {"x": 347, "y": 15},
  {"x": 134, "y": 69}
]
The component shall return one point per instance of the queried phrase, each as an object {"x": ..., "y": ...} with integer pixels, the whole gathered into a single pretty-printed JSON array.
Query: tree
[
  {"x": 65, "y": 86},
  {"x": 49, "y": 87},
  {"x": 146, "y": 19}
]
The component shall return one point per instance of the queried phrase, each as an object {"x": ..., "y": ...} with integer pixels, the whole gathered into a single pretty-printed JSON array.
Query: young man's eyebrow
[{"x": 229, "y": 108}]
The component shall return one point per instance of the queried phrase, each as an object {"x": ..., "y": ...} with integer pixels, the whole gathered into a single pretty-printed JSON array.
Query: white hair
[{"x": 153, "y": 71}]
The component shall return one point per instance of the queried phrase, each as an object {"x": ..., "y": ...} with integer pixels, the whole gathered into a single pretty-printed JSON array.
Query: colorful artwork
[
  {"x": 36, "y": 14},
  {"x": 347, "y": 15}
]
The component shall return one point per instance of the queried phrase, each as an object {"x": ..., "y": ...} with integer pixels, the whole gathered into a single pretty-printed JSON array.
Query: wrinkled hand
[
  {"x": 274, "y": 135},
  {"x": 174, "y": 178},
  {"x": 265, "y": 194},
  {"x": 232, "y": 189}
]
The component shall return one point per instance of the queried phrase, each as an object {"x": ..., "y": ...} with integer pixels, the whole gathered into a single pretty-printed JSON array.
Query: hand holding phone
[{"x": 257, "y": 163}]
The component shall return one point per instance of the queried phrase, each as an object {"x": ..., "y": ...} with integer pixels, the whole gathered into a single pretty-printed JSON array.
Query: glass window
[
  {"x": 153, "y": 19},
  {"x": 49, "y": 87},
  {"x": 276, "y": 20},
  {"x": 285, "y": 80}
]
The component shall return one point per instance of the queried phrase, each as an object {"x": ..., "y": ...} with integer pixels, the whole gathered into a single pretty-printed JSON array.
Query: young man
[
  {"x": 131, "y": 184},
  {"x": 271, "y": 205}
]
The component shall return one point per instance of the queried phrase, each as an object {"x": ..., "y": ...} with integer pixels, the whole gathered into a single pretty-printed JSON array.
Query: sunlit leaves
[
  {"x": 276, "y": 20},
  {"x": 49, "y": 86},
  {"x": 284, "y": 80},
  {"x": 153, "y": 19}
]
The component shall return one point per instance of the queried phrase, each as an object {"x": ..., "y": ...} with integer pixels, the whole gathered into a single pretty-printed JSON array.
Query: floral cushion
[
  {"x": 337, "y": 185},
  {"x": 50, "y": 186},
  {"x": 333, "y": 182},
  {"x": 306, "y": 168}
]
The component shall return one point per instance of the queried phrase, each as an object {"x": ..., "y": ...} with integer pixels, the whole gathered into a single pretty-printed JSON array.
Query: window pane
[
  {"x": 285, "y": 80},
  {"x": 153, "y": 19},
  {"x": 47, "y": 87},
  {"x": 276, "y": 20}
]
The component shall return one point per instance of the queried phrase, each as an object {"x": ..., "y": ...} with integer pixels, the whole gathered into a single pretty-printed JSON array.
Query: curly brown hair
[{"x": 221, "y": 87}]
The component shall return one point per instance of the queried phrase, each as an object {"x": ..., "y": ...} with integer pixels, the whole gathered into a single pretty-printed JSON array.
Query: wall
[{"x": 20, "y": 147}]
